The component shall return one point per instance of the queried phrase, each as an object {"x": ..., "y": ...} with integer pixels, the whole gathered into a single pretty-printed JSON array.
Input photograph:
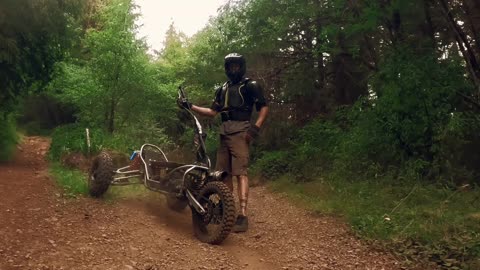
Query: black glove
[
  {"x": 183, "y": 103},
  {"x": 252, "y": 133}
]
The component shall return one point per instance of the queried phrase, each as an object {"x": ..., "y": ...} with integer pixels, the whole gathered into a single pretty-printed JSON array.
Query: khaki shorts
[{"x": 232, "y": 154}]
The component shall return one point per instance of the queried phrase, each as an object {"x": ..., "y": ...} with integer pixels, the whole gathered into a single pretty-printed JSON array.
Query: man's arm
[
  {"x": 254, "y": 130},
  {"x": 262, "y": 115},
  {"x": 260, "y": 102},
  {"x": 204, "y": 111},
  {"x": 213, "y": 110}
]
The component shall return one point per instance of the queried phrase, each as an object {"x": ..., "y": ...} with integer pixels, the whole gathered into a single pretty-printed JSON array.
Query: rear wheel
[
  {"x": 214, "y": 226},
  {"x": 101, "y": 175}
]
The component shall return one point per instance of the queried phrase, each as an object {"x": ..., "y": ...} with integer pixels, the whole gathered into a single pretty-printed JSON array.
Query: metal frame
[
  {"x": 120, "y": 174},
  {"x": 127, "y": 173}
]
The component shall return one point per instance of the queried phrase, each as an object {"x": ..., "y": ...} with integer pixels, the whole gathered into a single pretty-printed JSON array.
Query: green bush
[
  {"x": 72, "y": 139},
  {"x": 211, "y": 143},
  {"x": 129, "y": 138},
  {"x": 272, "y": 164},
  {"x": 8, "y": 137},
  {"x": 458, "y": 153},
  {"x": 39, "y": 114},
  {"x": 315, "y": 148}
]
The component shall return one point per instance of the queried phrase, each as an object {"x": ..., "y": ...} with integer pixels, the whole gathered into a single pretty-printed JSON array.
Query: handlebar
[
  {"x": 182, "y": 96},
  {"x": 181, "y": 92},
  {"x": 201, "y": 152}
]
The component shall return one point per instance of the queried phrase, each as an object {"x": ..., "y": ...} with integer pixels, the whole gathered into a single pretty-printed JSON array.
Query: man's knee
[{"x": 243, "y": 186}]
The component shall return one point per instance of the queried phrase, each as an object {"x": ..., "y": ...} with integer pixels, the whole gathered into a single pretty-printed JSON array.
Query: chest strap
[{"x": 236, "y": 115}]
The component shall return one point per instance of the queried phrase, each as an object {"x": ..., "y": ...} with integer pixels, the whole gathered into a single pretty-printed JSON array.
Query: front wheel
[
  {"x": 101, "y": 175},
  {"x": 214, "y": 226}
]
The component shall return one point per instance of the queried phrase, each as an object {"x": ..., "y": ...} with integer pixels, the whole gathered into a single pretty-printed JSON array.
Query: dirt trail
[{"x": 40, "y": 229}]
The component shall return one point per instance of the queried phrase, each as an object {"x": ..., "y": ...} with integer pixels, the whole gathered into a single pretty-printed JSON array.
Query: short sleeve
[
  {"x": 257, "y": 93},
  {"x": 216, "y": 104}
]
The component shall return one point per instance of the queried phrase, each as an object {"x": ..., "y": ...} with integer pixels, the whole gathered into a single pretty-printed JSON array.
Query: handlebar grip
[{"x": 181, "y": 93}]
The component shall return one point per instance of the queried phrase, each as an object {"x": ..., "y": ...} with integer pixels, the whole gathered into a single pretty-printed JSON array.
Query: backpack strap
[
  {"x": 245, "y": 81},
  {"x": 224, "y": 94}
]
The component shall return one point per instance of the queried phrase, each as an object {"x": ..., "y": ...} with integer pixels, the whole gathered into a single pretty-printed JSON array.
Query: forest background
[{"x": 374, "y": 105}]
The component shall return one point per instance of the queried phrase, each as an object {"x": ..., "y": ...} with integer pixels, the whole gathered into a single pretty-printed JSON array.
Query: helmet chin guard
[{"x": 235, "y": 76}]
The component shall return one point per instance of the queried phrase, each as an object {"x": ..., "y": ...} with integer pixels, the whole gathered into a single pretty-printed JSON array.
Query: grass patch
[
  {"x": 415, "y": 220},
  {"x": 8, "y": 137},
  {"x": 73, "y": 182}
]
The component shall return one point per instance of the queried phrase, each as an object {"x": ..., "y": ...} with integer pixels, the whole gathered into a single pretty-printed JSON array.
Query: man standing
[{"x": 235, "y": 101}]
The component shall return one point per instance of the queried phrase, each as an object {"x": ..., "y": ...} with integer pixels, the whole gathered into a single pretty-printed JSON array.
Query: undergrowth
[
  {"x": 400, "y": 166},
  {"x": 72, "y": 138},
  {"x": 416, "y": 221},
  {"x": 73, "y": 182}
]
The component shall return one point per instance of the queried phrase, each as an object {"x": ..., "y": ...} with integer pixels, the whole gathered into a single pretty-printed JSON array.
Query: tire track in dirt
[{"x": 41, "y": 229}]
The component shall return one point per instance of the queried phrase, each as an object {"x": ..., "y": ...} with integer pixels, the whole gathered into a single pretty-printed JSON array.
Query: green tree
[{"x": 34, "y": 35}]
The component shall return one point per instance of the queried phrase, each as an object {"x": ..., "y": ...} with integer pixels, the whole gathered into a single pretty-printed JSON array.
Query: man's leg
[
  {"x": 239, "y": 151},
  {"x": 224, "y": 161},
  {"x": 243, "y": 194},
  {"x": 241, "y": 225}
]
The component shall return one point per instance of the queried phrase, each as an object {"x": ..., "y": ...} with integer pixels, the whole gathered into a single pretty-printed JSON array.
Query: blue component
[{"x": 134, "y": 154}]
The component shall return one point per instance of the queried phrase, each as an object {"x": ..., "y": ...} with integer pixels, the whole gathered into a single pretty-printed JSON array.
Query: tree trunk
[
  {"x": 319, "y": 56},
  {"x": 429, "y": 29},
  {"x": 472, "y": 13},
  {"x": 464, "y": 46}
]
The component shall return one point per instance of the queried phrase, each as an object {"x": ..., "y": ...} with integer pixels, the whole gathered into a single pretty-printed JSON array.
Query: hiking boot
[{"x": 241, "y": 225}]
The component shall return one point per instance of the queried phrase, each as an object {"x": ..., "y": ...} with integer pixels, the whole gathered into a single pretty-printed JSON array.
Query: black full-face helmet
[{"x": 235, "y": 76}]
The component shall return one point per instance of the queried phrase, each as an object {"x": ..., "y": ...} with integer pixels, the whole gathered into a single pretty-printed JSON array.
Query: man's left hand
[{"x": 252, "y": 133}]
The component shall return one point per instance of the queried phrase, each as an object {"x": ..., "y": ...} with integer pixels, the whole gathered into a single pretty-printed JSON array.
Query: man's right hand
[{"x": 252, "y": 133}]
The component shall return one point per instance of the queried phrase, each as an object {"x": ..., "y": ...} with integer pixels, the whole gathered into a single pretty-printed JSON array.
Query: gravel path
[{"x": 41, "y": 229}]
